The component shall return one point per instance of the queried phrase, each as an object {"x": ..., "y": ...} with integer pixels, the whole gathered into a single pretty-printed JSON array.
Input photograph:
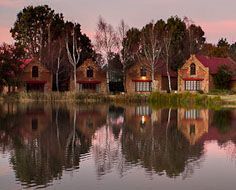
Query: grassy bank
[
  {"x": 160, "y": 99},
  {"x": 184, "y": 100}
]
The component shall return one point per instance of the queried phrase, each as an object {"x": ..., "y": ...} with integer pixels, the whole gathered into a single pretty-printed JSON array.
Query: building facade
[
  {"x": 197, "y": 74},
  {"x": 90, "y": 78},
  {"x": 139, "y": 80},
  {"x": 35, "y": 77}
]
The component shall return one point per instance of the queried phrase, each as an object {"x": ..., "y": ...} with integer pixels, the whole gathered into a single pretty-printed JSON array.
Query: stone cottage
[
  {"x": 90, "y": 78},
  {"x": 35, "y": 77},
  {"x": 138, "y": 78},
  {"x": 198, "y": 71}
]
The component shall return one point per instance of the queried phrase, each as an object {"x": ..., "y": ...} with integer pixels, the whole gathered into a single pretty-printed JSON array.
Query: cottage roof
[
  {"x": 25, "y": 62},
  {"x": 213, "y": 63}
]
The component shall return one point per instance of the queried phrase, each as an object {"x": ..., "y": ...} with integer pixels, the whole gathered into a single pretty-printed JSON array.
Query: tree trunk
[
  {"x": 75, "y": 79},
  {"x": 153, "y": 77},
  {"x": 168, "y": 73}
]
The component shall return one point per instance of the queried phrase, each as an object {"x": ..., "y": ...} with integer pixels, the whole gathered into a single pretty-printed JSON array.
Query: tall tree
[
  {"x": 174, "y": 35},
  {"x": 151, "y": 45},
  {"x": 74, "y": 53},
  {"x": 123, "y": 47},
  {"x": 33, "y": 27},
  {"x": 195, "y": 37},
  {"x": 10, "y": 57},
  {"x": 106, "y": 42}
]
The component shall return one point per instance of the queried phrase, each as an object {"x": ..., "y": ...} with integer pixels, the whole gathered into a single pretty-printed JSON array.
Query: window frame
[
  {"x": 193, "y": 69},
  {"x": 143, "y": 72},
  {"x": 35, "y": 72},
  {"x": 89, "y": 72},
  {"x": 143, "y": 86}
]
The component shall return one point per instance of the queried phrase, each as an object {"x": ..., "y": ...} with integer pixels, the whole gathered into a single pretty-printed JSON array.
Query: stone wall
[
  {"x": 98, "y": 75},
  {"x": 43, "y": 75},
  {"x": 133, "y": 73},
  {"x": 202, "y": 74}
]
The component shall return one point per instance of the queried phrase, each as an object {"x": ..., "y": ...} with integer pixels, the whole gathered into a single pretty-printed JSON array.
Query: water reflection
[{"x": 46, "y": 140}]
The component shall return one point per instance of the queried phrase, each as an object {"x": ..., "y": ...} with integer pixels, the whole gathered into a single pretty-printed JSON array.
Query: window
[
  {"x": 192, "y": 129},
  {"x": 192, "y": 85},
  {"x": 90, "y": 72},
  {"x": 34, "y": 124},
  {"x": 192, "y": 69},
  {"x": 35, "y": 72},
  {"x": 89, "y": 86},
  {"x": 143, "y": 110},
  {"x": 192, "y": 114},
  {"x": 142, "y": 86},
  {"x": 143, "y": 72}
]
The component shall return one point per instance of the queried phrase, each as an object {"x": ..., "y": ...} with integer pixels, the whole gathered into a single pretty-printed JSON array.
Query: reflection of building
[
  {"x": 34, "y": 121},
  {"x": 193, "y": 123},
  {"x": 139, "y": 116},
  {"x": 89, "y": 118}
]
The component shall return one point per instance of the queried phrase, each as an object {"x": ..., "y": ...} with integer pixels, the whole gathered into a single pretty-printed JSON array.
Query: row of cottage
[{"x": 195, "y": 75}]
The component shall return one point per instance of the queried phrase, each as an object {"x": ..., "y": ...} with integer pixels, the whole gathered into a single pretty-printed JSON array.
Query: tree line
[{"x": 61, "y": 46}]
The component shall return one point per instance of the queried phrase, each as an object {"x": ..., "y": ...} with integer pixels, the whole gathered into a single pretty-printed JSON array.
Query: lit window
[
  {"x": 192, "y": 85},
  {"x": 35, "y": 72},
  {"x": 143, "y": 110},
  {"x": 142, "y": 86},
  {"x": 192, "y": 114}
]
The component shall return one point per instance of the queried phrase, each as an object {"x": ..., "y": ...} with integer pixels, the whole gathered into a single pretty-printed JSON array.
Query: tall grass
[
  {"x": 155, "y": 98},
  {"x": 183, "y": 100}
]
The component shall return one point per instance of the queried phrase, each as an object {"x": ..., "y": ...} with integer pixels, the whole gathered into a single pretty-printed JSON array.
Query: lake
[{"x": 116, "y": 147}]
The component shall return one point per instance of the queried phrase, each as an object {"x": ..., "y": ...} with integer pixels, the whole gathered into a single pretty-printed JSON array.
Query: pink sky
[{"x": 216, "y": 17}]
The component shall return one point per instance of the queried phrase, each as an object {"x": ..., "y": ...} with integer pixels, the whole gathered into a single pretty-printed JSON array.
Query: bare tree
[
  {"x": 167, "y": 43},
  {"x": 106, "y": 42},
  {"x": 73, "y": 56},
  {"x": 152, "y": 46},
  {"x": 123, "y": 46}
]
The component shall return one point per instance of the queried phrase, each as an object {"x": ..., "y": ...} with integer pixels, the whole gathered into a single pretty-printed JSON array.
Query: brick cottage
[
  {"x": 138, "y": 78},
  {"x": 198, "y": 72},
  {"x": 35, "y": 77},
  {"x": 90, "y": 78}
]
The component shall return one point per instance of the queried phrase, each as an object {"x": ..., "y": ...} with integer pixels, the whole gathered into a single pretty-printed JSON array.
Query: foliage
[
  {"x": 10, "y": 65},
  {"x": 222, "y": 78},
  {"x": 221, "y": 120},
  {"x": 183, "y": 100}
]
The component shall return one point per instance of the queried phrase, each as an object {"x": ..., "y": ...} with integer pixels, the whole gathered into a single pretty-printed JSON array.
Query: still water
[{"x": 116, "y": 147}]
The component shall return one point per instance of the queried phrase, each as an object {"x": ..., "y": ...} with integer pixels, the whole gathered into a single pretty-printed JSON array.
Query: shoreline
[{"x": 156, "y": 99}]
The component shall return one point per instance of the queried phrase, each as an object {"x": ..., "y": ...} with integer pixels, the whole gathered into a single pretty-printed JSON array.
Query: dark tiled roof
[
  {"x": 25, "y": 62},
  {"x": 213, "y": 63}
]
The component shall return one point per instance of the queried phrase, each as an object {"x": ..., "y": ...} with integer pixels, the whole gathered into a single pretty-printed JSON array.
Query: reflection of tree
[
  {"x": 40, "y": 155},
  {"x": 162, "y": 149},
  {"x": 107, "y": 145},
  {"x": 221, "y": 120}
]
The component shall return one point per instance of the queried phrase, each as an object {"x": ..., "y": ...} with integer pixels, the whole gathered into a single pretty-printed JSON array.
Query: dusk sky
[{"x": 216, "y": 17}]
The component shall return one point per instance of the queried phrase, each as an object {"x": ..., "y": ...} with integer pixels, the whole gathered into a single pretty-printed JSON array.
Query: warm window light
[
  {"x": 143, "y": 77},
  {"x": 143, "y": 120}
]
